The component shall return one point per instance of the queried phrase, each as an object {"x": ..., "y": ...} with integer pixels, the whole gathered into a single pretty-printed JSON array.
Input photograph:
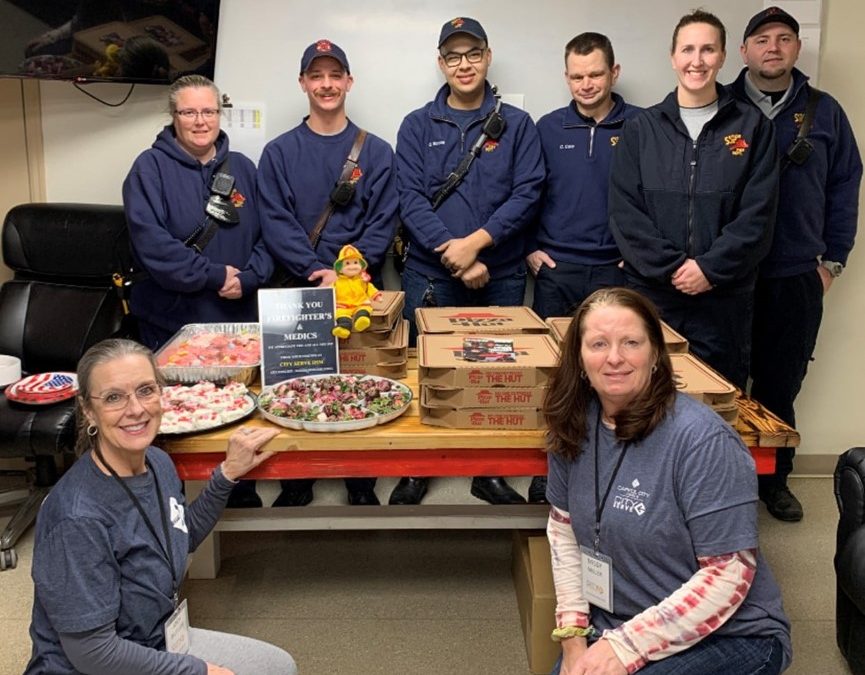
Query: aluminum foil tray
[{"x": 209, "y": 360}]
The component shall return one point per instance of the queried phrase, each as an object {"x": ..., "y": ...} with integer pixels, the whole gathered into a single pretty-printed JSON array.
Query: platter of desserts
[
  {"x": 203, "y": 406},
  {"x": 329, "y": 403}
]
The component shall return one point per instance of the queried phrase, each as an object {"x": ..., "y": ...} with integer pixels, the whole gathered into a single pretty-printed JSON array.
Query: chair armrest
[{"x": 850, "y": 568}]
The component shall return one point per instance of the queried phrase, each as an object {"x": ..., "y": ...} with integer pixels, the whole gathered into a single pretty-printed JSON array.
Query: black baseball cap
[
  {"x": 462, "y": 24},
  {"x": 770, "y": 15},
  {"x": 323, "y": 48}
]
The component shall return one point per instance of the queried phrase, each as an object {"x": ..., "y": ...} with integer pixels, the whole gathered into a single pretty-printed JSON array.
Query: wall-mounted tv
[{"x": 146, "y": 41}]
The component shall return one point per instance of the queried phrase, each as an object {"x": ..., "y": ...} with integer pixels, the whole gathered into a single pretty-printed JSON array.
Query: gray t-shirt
[
  {"x": 688, "y": 490},
  {"x": 95, "y": 563}
]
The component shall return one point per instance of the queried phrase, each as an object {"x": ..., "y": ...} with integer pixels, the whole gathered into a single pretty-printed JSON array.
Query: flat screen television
[{"x": 135, "y": 41}]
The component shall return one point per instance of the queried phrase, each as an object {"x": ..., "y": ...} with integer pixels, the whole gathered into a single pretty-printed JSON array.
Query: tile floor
[{"x": 427, "y": 602}]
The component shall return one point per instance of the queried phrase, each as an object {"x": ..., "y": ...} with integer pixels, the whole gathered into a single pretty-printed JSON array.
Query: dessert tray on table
[
  {"x": 329, "y": 403},
  {"x": 216, "y": 352},
  {"x": 203, "y": 406}
]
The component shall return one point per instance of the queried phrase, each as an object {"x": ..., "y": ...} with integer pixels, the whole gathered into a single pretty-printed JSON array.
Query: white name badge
[
  {"x": 597, "y": 578},
  {"x": 177, "y": 630}
]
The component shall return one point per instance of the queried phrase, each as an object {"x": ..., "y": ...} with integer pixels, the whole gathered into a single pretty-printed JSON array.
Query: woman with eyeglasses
[
  {"x": 191, "y": 206},
  {"x": 113, "y": 537}
]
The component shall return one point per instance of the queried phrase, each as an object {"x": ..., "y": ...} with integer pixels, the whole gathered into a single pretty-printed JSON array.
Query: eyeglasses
[
  {"x": 189, "y": 115},
  {"x": 118, "y": 400},
  {"x": 453, "y": 59}
]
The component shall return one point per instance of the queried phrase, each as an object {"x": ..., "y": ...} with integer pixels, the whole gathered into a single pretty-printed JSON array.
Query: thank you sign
[{"x": 296, "y": 336}]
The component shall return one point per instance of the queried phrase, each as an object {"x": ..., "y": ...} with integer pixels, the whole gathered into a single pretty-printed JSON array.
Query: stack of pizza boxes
[
  {"x": 483, "y": 367},
  {"x": 692, "y": 376},
  {"x": 382, "y": 349}
]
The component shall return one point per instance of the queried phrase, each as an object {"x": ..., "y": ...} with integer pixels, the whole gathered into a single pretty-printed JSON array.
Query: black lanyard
[
  {"x": 601, "y": 503},
  {"x": 166, "y": 548}
]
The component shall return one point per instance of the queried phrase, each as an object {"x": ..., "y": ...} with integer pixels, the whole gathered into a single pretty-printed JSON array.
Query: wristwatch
[{"x": 834, "y": 268}]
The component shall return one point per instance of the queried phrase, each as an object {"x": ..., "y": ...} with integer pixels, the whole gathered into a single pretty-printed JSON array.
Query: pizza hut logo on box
[
  {"x": 476, "y": 377},
  {"x": 478, "y": 319},
  {"x": 485, "y": 396},
  {"x": 477, "y": 419},
  {"x": 506, "y": 419}
]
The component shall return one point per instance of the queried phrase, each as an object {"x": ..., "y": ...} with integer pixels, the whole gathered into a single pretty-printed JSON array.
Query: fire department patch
[
  {"x": 323, "y": 46},
  {"x": 237, "y": 199},
  {"x": 490, "y": 145},
  {"x": 736, "y": 144},
  {"x": 798, "y": 118},
  {"x": 355, "y": 175},
  {"x": 457, "y": 23}
]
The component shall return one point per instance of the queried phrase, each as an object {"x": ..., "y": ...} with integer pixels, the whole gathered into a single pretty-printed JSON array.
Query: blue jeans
[
  {"x": 423, "y": 291},
  {"x": 718, "y": 655},
  {"x": 560, "y": 290}
]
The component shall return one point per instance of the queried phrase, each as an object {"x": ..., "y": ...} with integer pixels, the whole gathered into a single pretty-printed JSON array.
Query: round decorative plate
[
  {"x": 333, "y": 403},
  {"x": 43, "y": 388}
]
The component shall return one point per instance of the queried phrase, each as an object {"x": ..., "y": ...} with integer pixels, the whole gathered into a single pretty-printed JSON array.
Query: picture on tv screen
[{"x": 147, "y": 41}]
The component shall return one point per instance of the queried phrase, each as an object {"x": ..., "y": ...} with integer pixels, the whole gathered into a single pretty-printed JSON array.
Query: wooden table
[{"x": 406, "y": 447}]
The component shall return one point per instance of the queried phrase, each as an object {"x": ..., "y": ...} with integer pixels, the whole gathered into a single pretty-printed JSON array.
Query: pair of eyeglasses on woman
[
  {"x": 207, "y": 114},
  {"x": 117, "y": 400},
  {"x": 453, "y": 59}
]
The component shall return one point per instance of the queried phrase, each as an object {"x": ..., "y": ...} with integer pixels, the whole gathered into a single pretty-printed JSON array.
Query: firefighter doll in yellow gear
[{"x": 354, "y": 292}]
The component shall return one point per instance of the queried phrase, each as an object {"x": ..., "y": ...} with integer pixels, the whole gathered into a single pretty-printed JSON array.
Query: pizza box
[
  {"x": 386, "y": 310},
  {"x": 396, "y": 370},
  {"x": 482, "y": 397},
  {"x": 372, "y": 337},
  {"x": 728, "y": 412},
  {"x": 482, "y": 320},
  {"x": 696, "y": 379},
  {"x": 395, "y": 350},
  {"x": 441, "y": 362},
  {"x": 482, "y": 418},
  {"x": 676, "y": 344}
]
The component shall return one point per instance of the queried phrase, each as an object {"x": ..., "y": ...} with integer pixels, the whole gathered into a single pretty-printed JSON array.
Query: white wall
[{"x": 391, "y": 48}]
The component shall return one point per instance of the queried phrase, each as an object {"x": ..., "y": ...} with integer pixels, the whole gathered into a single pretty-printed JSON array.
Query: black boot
[
  {"x": 244, "y": 496},
  {"x": 295, "y": 492},
  {"x": 495, "y": 490},
  {"x": 538, "y": 490},
  {"x": 409, "y": 491}
]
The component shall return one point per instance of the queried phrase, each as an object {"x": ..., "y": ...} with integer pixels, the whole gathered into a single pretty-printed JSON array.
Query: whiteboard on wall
[{"x": 391, "y": 47}]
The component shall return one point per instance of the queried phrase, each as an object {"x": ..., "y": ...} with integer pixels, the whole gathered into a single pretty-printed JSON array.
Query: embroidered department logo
[
  {"x": 614, "y": 141},
  {"x": 736, "y": 144},
  {"x": 323, "y": 46},
  {"x": 457, "y": 23},
  {"x": 798, "y": 118},
  {"x": 490, "y": 145},
  {"x": 237, "y": 199},
  {"x": 356, "y": 174}
]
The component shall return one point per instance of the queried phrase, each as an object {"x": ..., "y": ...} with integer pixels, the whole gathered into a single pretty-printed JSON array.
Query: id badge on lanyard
[
  {"x": 597, "y": 578},
  {"x": 177, "y": 630}
]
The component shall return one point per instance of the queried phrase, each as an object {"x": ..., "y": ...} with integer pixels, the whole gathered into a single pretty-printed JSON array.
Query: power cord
[{"x": 96, "y": 98}]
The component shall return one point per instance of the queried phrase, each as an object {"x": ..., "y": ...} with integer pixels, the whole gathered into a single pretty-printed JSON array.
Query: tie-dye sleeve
[
  {"x": 699, "y": 607},
  {"x": 571, "y": 608}
]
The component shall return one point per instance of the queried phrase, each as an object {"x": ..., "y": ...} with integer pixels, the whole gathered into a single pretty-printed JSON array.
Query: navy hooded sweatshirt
[
  {"x": 164, "y": 197},
  {"x": 500, "y": 192}
]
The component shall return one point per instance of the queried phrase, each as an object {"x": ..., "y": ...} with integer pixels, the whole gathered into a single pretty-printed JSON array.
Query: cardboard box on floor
[
  {"x": 676, "y": 343},
  {"x": 478, "y": 320},
  {"x": 536, "y": 598}
]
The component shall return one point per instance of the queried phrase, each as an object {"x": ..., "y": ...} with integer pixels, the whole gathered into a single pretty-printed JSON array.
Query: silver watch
[{"x": 834, "y": 268}]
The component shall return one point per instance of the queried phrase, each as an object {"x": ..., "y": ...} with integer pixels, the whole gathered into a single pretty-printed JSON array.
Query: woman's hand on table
[{"x": 245, "y": 452}]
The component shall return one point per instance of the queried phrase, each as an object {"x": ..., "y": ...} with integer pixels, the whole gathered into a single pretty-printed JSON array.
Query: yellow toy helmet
[{"x": 348, "y": 252}]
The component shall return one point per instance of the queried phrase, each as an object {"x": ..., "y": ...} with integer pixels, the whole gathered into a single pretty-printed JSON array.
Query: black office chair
[
  {"x": 60, "y": 301},
  {"x": 850, "y": 558}
]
